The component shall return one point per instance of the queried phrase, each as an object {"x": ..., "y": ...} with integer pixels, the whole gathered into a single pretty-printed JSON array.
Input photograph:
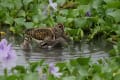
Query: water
[{"x": 96, "y": 50}]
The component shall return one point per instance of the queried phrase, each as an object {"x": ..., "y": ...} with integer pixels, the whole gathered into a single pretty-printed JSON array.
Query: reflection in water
[{"x": 95, "y": 50}]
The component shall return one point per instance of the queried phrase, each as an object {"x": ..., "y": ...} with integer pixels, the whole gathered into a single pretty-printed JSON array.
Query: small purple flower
[
  {"x": 53, "y": 5},
  {"x": 54, "y": 70},
  {"x": 88, "y": 13},
  {"x": 7, "y": 55}
]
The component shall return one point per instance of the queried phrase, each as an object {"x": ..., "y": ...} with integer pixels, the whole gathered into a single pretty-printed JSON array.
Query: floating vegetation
[{"x": 89, "y": 19}]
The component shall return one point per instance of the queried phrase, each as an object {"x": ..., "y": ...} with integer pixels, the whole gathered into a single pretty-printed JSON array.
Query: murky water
[{"x": 96, "y": 50}]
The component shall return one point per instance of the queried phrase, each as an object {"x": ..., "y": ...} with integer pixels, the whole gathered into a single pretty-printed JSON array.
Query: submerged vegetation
[{"x": 90, "y": 19}]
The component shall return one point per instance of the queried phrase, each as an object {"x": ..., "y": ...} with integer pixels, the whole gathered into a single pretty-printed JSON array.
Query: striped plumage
[
  {"x": 39, "y": 33},
  {"x": 43, "y": 34}
]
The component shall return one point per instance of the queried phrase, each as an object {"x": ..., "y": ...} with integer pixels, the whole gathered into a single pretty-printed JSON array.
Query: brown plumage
[{"x": 45, "y": 35}]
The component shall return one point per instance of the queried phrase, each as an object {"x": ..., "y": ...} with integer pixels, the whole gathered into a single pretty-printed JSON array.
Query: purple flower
[
  {"x": 53, "y": 5},
  {"x": 88, "y": 13},
  {"x": 54, "y": 70},
  {"x": 7, "y": 55}
]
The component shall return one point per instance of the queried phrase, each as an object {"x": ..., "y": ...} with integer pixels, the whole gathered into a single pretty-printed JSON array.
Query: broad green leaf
[
  {"x": 83, "y": 8},
  {"x": 19, "y": 69},
  {"x": 113, "y": 4},
  {"x": 11, "y": 77},
  {"x": 69, "y": 20},
  {"x": 31, "y": 76},
  {"x": 60, "y": 2},
  {"x": 96, "y": 3},
  {"x": 26, "y": 2},
  {"x": 69, "y": 78},
  {"x": 73, "y": 13},
  {"x": 2, "y": 77},
  {"x": 107, "y": 1},
  {"x": 115, "y": 14},
  {"x": 61, "y": 65},
  {"x": 84, "y": 2},
  {"x": 33, "y": 66},
  {"x": 117, "y": 29},
  {"x": 83, "y": 71},
  {"x": 97, "y": 77},
  {"x": 19, "y": 21},
  {"x": 80, "y": 22},
  {"x": 7, "y": 4},
  {"x": 64, "y": 12},
  {"x": 61, "y": 19},
  {"x": 117, "y": 77},
  {"x": 17, "y": 4},
  {"x": 83, "y": 61},
  {"x": 74, "y": 62},
  {"x": 12, "y": 29},
  {"x": 9, "y": 20},
  {"x": 28, "y": 24},
  {"x": 21, "y": 13},
  {"x": 35, "y": 19}
]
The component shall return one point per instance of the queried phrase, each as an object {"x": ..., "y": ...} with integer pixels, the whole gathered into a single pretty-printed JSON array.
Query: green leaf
[
  {"x": 17, "y": 4},
  {"x": 21, "y": 13},
  {"x": 31, "y": 76},
  {"x": 35, "y": 19},
  {"x": 7, "y": 4},
  {"x": 69, "y": 20},
  {"x": 83, "y": 72},
  {"x": 115, "y": 14},
  {"x": 26, "y": 2},
  {"x": 11, "y": 77},
  {"x": 97, "y": 77},
  {"x": 83, "y": 61},
  {"x": 33, "y": 66},
  {"x": 113, "y": 4},
  {"x": 117, "y": 77},
  {"x": 84, "y": 2},
  {"x": 20, "y": 69},
  {"x": 61, "y": 65},
  {"x": 61, "y": 19},
  {"x": 61, "y": 2},
  {"x": 83, "y": 9},
  {"x": 80, "y": 22},
  {"x": 9, "y": 20},
  {"x": 69, "y": 78},
  {"x": 73, "y": 13},
  {"x": 2, "y": 77},
  {"x": 64, "y": 12},
  {"x": 28, "y": 24},
  {"x": 19, "y": 21},
  {"x": 96, "y": 3}
]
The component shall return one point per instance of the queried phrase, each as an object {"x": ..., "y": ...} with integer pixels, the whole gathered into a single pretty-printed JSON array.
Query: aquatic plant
[
  {"x": 74, "y": 69},
  {"x": 27, "y": 14},
  {"x": 17, "y": 15},
  {"x": 8, "y": 56},
  {"x": 54, "y": 70},
  {"x": 88, "y": 13},
  {"x": 53, "y": 5}
]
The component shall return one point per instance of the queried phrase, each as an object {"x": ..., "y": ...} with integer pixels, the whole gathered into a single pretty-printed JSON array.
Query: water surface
[{"x": 96, "y": 50}]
